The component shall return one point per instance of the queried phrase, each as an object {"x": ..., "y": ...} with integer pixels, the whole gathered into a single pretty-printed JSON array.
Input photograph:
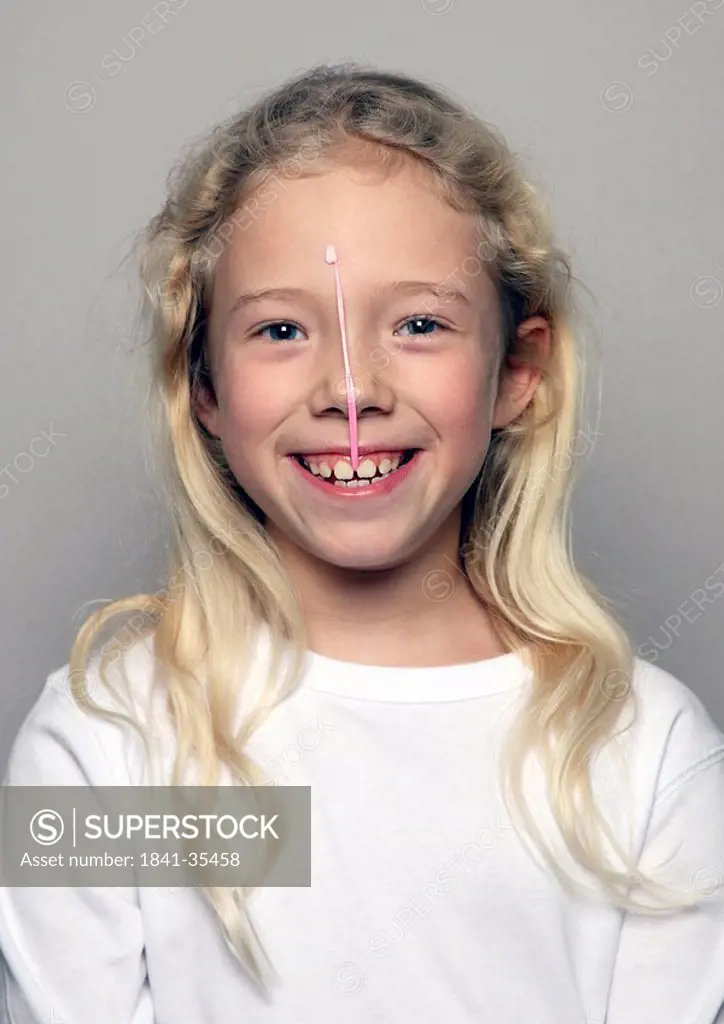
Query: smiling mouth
[{"x": 336, "y": 471}]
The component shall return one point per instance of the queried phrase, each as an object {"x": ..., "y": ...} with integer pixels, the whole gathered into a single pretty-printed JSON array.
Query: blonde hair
[{"x": 514, "y": 541}]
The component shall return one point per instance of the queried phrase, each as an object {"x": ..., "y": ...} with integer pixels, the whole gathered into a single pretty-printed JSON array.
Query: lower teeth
[{"x": 361, "y": 482}]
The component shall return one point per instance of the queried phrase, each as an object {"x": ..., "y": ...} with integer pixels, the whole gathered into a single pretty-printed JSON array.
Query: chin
[{"x": 348, "y": 554}]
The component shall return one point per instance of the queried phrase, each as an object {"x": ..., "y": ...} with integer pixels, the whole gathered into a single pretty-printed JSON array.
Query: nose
[{"x": 370, "y": 390}]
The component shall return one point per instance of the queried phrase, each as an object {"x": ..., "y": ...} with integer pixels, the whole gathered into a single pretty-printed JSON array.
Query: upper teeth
[{"x": 342, "y": 468}]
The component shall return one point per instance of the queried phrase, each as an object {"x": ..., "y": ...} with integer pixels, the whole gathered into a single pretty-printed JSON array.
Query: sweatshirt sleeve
[
  {"x": 69, "y": 954},
  {"x": 670, "y": 969}
]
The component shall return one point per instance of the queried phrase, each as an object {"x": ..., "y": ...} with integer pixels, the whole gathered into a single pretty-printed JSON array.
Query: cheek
[
  {"x": 456, "y": 400},
  {"x": 255, "y": 400}
]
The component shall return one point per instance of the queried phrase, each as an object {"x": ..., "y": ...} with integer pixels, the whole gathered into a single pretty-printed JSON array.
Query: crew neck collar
[
  {"x": 406, "y": 684},
  {"x": 414, "y": 684}
]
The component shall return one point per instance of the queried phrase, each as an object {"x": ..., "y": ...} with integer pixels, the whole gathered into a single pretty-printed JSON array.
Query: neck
[{"x": 422, "y": 612}]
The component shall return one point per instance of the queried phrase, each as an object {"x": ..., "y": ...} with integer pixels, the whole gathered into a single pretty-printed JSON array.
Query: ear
[
  {"x": 520, "y": 372},
  {"x": 204, "y": 406}
]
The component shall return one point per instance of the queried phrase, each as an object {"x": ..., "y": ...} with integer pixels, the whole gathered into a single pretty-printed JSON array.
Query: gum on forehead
[{"x": 330, "y": 257}]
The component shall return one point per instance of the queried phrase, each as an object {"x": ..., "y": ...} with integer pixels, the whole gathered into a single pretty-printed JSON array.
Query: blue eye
[
  {"x": 426, "y": 321},
  {"x": 276, "y": 326},
  {"x": 286, "y": 327}
]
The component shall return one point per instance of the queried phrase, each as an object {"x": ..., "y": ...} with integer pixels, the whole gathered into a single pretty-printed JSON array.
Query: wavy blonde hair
[{"x": 514, "y": 539}]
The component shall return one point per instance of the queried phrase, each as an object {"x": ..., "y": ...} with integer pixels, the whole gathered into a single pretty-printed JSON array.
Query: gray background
[{"x": 627, "y": 147}]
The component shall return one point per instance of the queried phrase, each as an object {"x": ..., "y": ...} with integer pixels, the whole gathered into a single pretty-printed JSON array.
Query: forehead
[{"x": 382, "y": 220}]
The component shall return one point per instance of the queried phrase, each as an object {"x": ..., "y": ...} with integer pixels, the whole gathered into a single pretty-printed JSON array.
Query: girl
[{"x": 513, "y": 818}]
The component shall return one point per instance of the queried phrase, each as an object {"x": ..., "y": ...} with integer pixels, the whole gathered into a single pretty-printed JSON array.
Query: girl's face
[{"x": 425, "y": 365}]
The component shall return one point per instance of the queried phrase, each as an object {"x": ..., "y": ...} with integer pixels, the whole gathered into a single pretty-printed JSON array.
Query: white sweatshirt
[{"x": 425, "y": 906}]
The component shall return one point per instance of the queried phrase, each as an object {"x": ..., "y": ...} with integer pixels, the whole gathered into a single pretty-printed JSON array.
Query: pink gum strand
[{"x": 330, "y": 257}]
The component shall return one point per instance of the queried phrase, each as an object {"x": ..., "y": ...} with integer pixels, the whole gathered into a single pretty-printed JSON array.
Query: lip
[{"x": 387, "y": 486}]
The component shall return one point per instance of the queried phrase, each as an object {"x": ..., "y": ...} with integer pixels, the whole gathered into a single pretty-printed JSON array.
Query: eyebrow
[{"x": 437, "y": 288}]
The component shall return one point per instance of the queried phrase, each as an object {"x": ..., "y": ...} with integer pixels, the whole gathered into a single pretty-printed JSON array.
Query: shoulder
[
  {"x": 673, "y": 731},
  {"x": 661, "y": 772},
  {"x": 678, "y": 752},
  {"x": 63, "y": 741}
]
